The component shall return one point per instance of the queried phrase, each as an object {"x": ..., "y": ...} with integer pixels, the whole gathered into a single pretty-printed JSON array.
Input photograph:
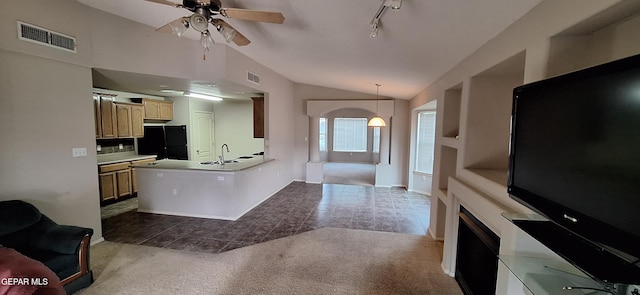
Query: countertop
[
  {"x": 242, "y": 164},
  {"x": 121, "y": 157}
]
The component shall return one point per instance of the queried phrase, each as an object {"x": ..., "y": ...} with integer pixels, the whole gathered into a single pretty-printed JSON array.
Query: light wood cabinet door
[
  {"x": 124, "y": 120},
  {"x": 124, "y": 182},
  {"x": 166, "y": 111},
  {"x": 158, "y": 109},
  {"x": 108, "y": 186},
  {"x": 151, "y": 109},
  {"x": 97, "y": 115},
  {"x": 137, "y": 121},
  {"x": 109, "y": 118}
]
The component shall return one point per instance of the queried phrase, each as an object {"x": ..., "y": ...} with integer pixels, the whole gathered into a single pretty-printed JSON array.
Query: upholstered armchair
[{"x": 62, "y": 248}]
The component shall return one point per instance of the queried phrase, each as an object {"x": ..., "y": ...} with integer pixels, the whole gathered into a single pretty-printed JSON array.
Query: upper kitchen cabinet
[
  {"x": 105, "y": 116},
  {"x": 258, "y": 117},
  {"x": 117, "y": 119},
  {"x": 161, "y": 110},
  {"x": 130, "y": 118}
]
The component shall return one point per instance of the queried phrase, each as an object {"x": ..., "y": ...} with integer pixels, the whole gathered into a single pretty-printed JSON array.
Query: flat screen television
[{"x": 575, "y": 154}]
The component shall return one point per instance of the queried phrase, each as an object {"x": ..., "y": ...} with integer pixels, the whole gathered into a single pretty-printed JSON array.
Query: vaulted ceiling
[{"x": 327, "y": 43}]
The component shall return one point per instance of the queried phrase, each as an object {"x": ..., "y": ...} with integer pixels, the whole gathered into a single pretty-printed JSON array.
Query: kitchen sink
[{"x": 218, "y": 162}]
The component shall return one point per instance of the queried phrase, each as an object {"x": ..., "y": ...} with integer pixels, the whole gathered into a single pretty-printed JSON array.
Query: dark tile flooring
[{"x": 297, "y": 208}]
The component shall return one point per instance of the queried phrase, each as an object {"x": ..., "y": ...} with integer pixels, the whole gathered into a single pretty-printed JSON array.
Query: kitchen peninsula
[{"x": 207, "y": 190}]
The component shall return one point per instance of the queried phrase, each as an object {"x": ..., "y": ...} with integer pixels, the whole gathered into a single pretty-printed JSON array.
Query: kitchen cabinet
[
  {"x": 154, "y": 109},
  {"x": 134, "y": 175},
  {"x": 108, "y": 187},
  {"x": 130, "y": 120},
  {"x": 258, "y": 117},
  {"x": 106, "y": 117},
  {"x": 119, "y": 180},
  {"x": 115, "y": 181}
]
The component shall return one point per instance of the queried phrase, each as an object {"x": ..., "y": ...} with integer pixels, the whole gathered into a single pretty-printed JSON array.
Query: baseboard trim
[{"x": 98, "y": 240}]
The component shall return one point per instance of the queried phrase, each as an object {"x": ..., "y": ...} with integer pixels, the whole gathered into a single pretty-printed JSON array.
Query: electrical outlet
[
  {"x": 120, "y": 146},
  {"x": 174, "y": 192},
  {"x": 79, "y": 152}
]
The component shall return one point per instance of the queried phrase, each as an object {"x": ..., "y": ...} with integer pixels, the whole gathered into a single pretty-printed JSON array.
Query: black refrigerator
[{"x": 167, "y": 142}]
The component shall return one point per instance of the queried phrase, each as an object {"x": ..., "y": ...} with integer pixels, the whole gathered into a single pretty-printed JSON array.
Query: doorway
[{"x": 202, "y": 149}]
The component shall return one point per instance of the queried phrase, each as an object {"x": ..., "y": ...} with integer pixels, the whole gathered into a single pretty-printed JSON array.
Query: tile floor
[{"x": 297, "y": 208}]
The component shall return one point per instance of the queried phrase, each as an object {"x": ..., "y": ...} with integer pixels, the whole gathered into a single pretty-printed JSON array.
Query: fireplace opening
[{"x": 477, "y": 256}]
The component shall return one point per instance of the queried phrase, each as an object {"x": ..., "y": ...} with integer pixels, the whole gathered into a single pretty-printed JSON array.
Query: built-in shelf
[
  {"x": 497, "y": 176},
  {"x": 610, "y": 35},
  {"x": 448, "y": 163},
  {"x": 452, "y": 142},
  {"x": 451, "y": 111},
  {"x": 486, "y": 142}
]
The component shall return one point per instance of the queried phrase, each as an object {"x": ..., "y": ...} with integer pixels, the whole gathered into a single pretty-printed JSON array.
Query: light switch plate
[{"x": 79, "y": 152}]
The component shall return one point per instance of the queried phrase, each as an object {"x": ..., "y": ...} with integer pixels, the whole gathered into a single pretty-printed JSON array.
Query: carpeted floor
[{"x": 323, "y": 261}]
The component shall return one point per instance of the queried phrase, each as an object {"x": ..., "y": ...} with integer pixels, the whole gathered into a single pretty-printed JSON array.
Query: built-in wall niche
[
  {"x": 110, "y": 146},
  {"x": 451, "y": 112},
  {"x": 448, "y": 162},
  {"x": 610, "y": 35},
  {"x": 486, "y": 143}
]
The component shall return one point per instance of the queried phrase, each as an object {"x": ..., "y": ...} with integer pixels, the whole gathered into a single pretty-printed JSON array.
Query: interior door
[{"x": 203, "y": 139}]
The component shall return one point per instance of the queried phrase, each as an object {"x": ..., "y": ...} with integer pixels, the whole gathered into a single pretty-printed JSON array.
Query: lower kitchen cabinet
[
  {"x": 108, "y": 183},
  {"x": 115, "y": 181},
  {"x": 118, "y": 180}
]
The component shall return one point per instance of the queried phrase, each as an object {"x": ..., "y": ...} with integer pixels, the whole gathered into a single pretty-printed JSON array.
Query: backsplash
[{"x": 110, "y": 146}]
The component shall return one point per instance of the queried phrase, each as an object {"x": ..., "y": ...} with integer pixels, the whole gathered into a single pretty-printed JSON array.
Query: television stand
[{"x": 611, "y": 271}]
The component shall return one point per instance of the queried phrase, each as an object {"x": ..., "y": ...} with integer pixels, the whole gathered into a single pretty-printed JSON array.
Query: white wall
[
  {"x": 234, "y": 126},
  {"x": 45, "y": 111}
]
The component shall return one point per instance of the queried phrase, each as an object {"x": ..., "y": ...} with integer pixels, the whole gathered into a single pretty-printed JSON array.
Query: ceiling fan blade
[
  {"x": 253, "y": 15},
  {"x": 239, "y": 39},
  {"x": 165, "y": 2},
  {"x": 164, "y": 29}
]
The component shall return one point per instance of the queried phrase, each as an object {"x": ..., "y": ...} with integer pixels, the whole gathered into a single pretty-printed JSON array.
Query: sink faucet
[{"x": 222, "y": 154}]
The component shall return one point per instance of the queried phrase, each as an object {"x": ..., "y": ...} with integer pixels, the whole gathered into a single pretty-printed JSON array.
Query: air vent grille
[
  {"x": 31, "y": 33},
  {"x": 251, "y": 77}
]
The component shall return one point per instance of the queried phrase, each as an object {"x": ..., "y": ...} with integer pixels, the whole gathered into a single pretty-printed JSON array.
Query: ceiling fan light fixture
[
  {"x": 199, "y": 22},
  {"x": 179, "y": 26},
  {"x": 202, "y": 96},
  {"x": 206, "y": 40},
  {"x": 227, "y": 33}
]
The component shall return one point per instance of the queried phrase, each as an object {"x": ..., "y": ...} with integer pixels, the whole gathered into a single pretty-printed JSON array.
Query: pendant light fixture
[{"x": 377, "y": 121}]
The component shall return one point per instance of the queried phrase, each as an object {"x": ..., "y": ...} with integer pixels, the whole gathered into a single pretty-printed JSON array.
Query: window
[
  {"x": 350, "y": 134},
  {"x": 425, "y": 141},
  {"x": 323, "y": 134}
]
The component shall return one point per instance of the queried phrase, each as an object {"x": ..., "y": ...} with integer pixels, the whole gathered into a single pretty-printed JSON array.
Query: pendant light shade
[{"x": 376, "y": 121}]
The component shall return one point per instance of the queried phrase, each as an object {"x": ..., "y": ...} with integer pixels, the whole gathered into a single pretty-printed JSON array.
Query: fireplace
[{"x": 477, "y": 256}]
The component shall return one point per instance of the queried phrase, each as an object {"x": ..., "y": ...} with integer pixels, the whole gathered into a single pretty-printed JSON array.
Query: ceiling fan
[{"x": 202, "y": 17}]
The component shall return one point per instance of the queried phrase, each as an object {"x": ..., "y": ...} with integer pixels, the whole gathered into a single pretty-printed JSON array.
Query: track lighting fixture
[{"x": 375, "y": 22}]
